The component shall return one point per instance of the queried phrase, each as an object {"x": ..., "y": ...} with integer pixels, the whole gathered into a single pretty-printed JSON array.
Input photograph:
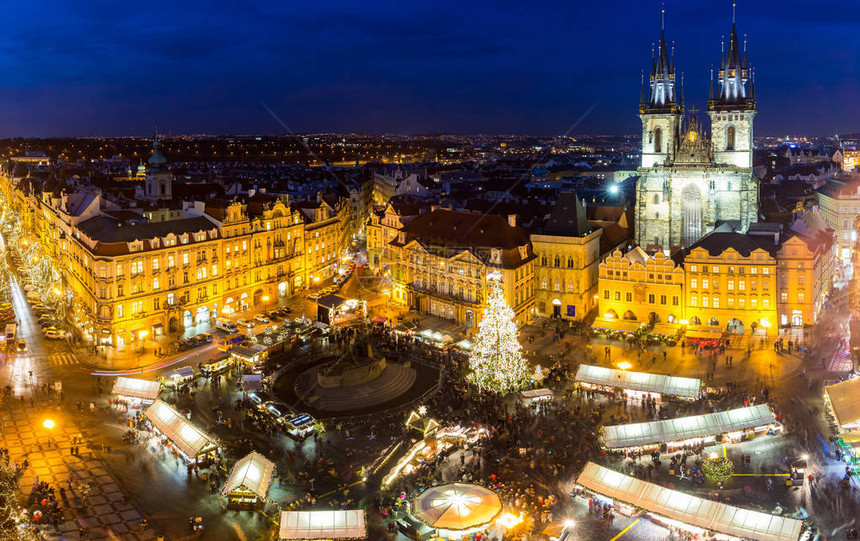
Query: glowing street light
[{"x": 49, "y": 425}]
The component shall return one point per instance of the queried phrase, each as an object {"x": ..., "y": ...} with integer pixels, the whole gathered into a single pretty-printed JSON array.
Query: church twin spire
[{"x": 734, "y": 78}]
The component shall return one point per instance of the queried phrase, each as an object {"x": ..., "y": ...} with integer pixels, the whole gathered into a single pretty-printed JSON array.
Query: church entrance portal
[{"x": 691, "y": 206}]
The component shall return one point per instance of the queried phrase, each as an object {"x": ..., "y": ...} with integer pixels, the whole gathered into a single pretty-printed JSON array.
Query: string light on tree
[{"x": 497, "y": 362}]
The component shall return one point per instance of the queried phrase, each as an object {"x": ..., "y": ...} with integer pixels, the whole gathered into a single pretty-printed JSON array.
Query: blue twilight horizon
[{"x": 107, "y": 68}]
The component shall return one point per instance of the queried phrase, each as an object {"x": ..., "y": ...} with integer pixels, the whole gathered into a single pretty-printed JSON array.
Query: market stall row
[
  {"x": 694, "y": 513},
  {"x": 639, "y": 382},
  {"x": 701, "y": 428},
  {"x": 191, "y": 442},
  {"x": 843, "y": 402}
]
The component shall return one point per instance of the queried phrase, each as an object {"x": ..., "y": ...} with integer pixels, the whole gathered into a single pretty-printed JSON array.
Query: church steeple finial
[
  {"x": 734, "y": 9},
  {"x": 733, "y": 75},
  {"x": 663, "y": 90},
  {"x": 642, "y": 89}
]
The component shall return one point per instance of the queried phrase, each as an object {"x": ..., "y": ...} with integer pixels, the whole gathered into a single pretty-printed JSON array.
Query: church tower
[
  {"x": 662, "y": 110},
  {"x": 159, "y": 181},
  {"x": 733, "y": 108}
]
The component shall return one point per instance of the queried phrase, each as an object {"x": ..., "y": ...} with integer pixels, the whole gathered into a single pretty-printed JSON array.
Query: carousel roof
[
  {"x": 137, "y": 388},
  {"x": 639, "y": 381},
  {"x": 322, "y": 525},
  {"x": 185, "y": 436},
  {"x": 456, "y": 506},
  {"x": 684, "y": 428},
  {"x": 708, "y": 514},
  {"x": 253, "y": 473}
]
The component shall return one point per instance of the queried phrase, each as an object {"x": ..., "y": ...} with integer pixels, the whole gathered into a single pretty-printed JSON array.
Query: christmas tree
[{"x": 497, "y": 361}]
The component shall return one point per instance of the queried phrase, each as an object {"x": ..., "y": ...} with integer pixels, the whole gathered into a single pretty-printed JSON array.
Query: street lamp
[{"x": 49, "y": 425}]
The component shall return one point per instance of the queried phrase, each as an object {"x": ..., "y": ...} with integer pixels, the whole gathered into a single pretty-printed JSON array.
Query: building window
[
  {"x": 704, "y": 302},
  {"x": 156, "y": 303},
  {"x": 716, "y": 270},
  {"x": 543, "y": 286},
  {"x": 628, "y": 297},
  {"x": 658, "y": 140},
  {"x": 765, "y": 285},
  {"x": 119, "y": 290},
  {"x": 694, "y": 283},
  {"x": 119, "y": 271},
  {"x": 753, "y": 270},
  {"x": 731, "y": 302},
  {"x": 185, "y": 258},
  {"x": 694, "y": 301},
  {"x": 716, "y": 302},
  {"x": 650, "y": 298},
  {"x": 155, "y": 264},
  {"x": 704, "y": 283},
  {"x": 741, "y": 302},
  {"x": 742, "y": 285},
  {"x": 120, "y": 309},
  {"x": 171, "y": 299},
  {"x": 557, "y": 261},
  {"x": 675, "y": 300},
  {"x": 753, "y": 285},
  {"x": 617, "y": 295},
  {"x": 765, "y": 270},
  {"x": 801, "y": 298},
  {"x": 605, "y": 291},
  {"x": 730, "y": 138},
  {"x": 716, "y": 284},
  {"x": 800, "y": 279},
  {"x": 662, "y": 299},
  {"x": 783, "y": 297},
  {"x": 731, "y": 285},
  {"x": 754, "y": 302},
  {"x": 765, "y": 303},
  {"x": 694, "y": 268}
]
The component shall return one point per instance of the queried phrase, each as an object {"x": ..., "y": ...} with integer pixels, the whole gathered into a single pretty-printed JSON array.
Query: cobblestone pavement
[{"x": 93, "y": 498}]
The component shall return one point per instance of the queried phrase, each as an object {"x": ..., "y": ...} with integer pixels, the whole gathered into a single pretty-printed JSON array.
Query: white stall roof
[
  {"x": 181, "y": 372},
  {"x": 322, "y": 525},
  {"x": 683, "y": 428},
  {"x": 253, "y": 473},
  {"x": 136, "y": 388},
  {"x": 717, "y": 517},
  {"x": 185, "y": 436},
  {"x": 845, "y": 400},
  {"x": 536, "y": 393},
  {"x": 252, "y": 382},
  {"x": 639, "y": 381}
]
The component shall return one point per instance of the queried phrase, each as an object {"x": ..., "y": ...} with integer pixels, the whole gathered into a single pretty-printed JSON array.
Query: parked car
[
  {"x": 244, "y": 323},
  {"x": 22, "y": 345},
  {"x": 54, "y": 334},
  {"x": 204, "y": 337},
  {"x": 260, "y": 318},
  {"x": 276, "y": 409}
]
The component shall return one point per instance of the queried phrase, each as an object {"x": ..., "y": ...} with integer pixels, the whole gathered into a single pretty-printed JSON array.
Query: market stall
[
  {"x": 535, "y": 395},
  {"x": 341, "y": 524},
  {"x": 667, "y": 331},
  {"x": 690, "y": 513},
  {"x": 220, "y": 363},
  {"x": 247, "y": 355},
  {"x": 136, "y": 391},
  {"x": 457, "y": 509},
  {"x": 252, "y": 382},
  {"x": 248, "y": 483},
  {"x": 615, "y": 328},
  {"x": 735, "y": 425},
  {"x": 704, "y": 337},
  {"x": 638, "y": 384},
  {"x": 843, "y": 401},
  {"x": 335, "y": 310},
  {"x": 299, "y": 426},
  {"x": 184, "y": 437},
  {"x": 178, "y": 377}
]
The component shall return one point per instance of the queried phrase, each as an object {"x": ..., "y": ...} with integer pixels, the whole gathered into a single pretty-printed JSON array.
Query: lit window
[{"x": 694, "y": 283}]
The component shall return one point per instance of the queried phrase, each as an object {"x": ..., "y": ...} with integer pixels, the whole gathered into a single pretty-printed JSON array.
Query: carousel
[{"x": 457, "y": 509}]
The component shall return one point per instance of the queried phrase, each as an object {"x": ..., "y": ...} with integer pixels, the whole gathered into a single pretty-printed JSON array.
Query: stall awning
[
  {"x": 180, "y": 373},
  {"x": 612, "y": 324},
  {"x": 845, "y": 400},
  {"x": 536, "y": 393},
  {"x": 185, "y": 436},
  {"x": 245, "y": 353},
  {"x": 136, "y": 388},
  {"x": 639, "y": 381},
  {"x": 684, "y": 428},
  {"x": 665, "y": 329},
  {"x": 707, "y": 514},
  {"x": 331, "y": 301},
  {"x": 252, "y": 382},
  {"x": 252, "y": 473},
  {"x": 851, "y": 439},
  {"x": 322, "y": 525}
]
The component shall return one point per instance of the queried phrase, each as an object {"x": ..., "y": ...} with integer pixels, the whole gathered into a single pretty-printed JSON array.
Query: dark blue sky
[{"x": 116, "y": 68}]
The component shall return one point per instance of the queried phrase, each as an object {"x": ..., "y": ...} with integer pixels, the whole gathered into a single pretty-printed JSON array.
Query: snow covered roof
[
  {"x": 845, "y": 401},
  {"x": 185, "y": 436},
  {"x": 136, "y": 388}
]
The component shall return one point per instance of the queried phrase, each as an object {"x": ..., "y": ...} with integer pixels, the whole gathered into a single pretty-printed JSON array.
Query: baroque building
[{"x": 690, "y": 181}]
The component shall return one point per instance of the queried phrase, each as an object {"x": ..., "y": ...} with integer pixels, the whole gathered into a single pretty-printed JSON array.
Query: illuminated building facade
[
  {"x": 442, "y": 259},
  {"x": 638, "y": 287},
  {"x": 690, "y": 182}
]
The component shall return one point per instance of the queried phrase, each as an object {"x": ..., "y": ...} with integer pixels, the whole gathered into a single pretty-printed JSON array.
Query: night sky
[{"x": 117, "y": 68}]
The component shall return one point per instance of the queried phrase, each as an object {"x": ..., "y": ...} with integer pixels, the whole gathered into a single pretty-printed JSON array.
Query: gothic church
[{"x": 690, "y": 181}]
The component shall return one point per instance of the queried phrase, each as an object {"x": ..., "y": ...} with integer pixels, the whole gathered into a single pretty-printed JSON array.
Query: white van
[
  {"x": 227, "y": 326},
  {"x": 11, "y": 331}
]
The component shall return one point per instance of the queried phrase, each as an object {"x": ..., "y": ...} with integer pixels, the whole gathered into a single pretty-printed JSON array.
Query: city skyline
[{"x": 380, "y": 68}]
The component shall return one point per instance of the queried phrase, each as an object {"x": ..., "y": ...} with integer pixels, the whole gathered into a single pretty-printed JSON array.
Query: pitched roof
[
  {"x": 107, "y": 230},
  {"x": 717, "y": 242},
  {"x": 568, "y": 217}
]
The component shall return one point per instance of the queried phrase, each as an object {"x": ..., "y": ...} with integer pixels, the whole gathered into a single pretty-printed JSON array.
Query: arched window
[
  {"x": 543, "y": 260},
  {"x": 730, "y": 138},
  {"x": 543, "y": 283},
  {"x": 656, "y": 199},
  {"x": 557, "y": 286},
  {"x": 557, "y": 261},
  {"x": 569, "y": 262},
  {"x": 658, "y": 140}
]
